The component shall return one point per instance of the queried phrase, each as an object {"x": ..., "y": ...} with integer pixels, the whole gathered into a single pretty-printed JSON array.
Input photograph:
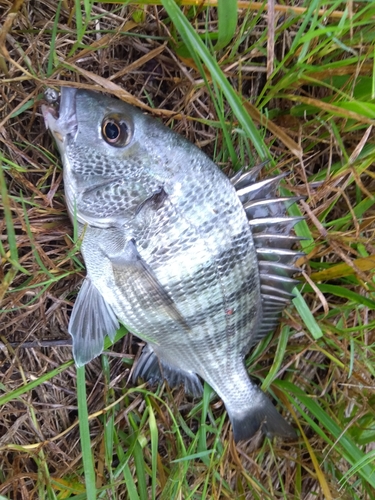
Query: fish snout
[{"x": 60, "y": 117}]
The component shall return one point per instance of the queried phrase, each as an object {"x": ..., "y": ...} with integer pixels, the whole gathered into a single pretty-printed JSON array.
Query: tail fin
[{"x": 262, "y": 415}]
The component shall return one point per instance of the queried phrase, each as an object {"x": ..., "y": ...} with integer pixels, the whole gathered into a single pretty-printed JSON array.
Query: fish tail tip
[{"x": 263, "y": 416}]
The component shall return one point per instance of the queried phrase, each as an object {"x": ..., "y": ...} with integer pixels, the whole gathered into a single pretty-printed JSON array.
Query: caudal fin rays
[{"x": 261, "y": 416}]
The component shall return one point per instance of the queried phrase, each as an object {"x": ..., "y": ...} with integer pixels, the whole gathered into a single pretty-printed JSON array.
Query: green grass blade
[
  {"x": 227, "y": 13},
  {"x": 200, "y": 53},
  {"x": 79, "y": 20},
  {"x": 109, "y": 425},
  {"x": 369, "y": 458},
  {"x": 9, "y": 222},
  {"x": 306, "y": 315},
  {"x": 130, "y": 484},
  {"x": 16, "y": 393},
  {"x": 278, "y": 359},
  {"x": 346, "y": 293},
  {"x": 52, "y": 50},
  {"x": 154, "y": 448},
  {"x": 348, "y": 449},
  {"x": 193, "y": 456},
  {"x": 141, "y": 471},
  {"x": 84, "y": 431}
]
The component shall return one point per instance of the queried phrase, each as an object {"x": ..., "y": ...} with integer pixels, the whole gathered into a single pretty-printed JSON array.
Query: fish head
[
  {"x": 93, "y": 120},
  {"x": 107, "y": 144}
]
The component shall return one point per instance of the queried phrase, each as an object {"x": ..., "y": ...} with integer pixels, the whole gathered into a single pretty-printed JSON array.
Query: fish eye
[{"x": 116, "y": 132}]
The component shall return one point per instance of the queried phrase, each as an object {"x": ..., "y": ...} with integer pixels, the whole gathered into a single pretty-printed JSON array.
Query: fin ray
[
  {"x": 154, "y": 369},
  {"x": 91, "y": 320},
  {"x": 261, "y": 416},
  {"x": 271, "y": 227}
]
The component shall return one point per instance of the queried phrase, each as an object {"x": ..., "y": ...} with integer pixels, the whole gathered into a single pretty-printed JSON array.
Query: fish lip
[
  {"x": 50, "y": 116},
  {"x": 62, "y": 121}
]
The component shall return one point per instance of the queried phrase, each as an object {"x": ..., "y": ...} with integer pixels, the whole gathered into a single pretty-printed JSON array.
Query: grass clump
[{"x": 295, "y": 85}]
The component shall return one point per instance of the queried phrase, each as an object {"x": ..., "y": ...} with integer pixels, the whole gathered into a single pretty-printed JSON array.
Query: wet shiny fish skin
[{"x": 170, "y": 247}]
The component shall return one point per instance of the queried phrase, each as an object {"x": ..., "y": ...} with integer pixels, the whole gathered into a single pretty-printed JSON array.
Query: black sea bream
[{"x": 197, "y": 265}]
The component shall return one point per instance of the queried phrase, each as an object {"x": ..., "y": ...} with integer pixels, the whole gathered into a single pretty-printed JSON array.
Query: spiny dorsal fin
[
  {"x": 242, "y": 178},
  {"x": 271, "y": 229}
]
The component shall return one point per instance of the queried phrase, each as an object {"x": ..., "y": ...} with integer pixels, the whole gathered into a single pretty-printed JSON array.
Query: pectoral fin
[
  {"x": 91, "y": 320},
  {"x": 129, "y": 266}
]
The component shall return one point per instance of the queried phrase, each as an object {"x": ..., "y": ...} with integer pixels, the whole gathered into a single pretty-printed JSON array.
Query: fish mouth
[{"x": 60, "y": 115}]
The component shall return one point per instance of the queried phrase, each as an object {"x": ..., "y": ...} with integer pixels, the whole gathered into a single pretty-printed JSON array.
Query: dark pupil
[{"x": 112, "y": 131}]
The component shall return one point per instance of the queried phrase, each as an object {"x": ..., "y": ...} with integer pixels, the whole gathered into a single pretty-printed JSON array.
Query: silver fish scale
[
  {"x": 110, "y": 195},
  {"x": 223, "y": 262},
  {"x": 169, "y": 252},
  {"x": 194, "y": 265}
]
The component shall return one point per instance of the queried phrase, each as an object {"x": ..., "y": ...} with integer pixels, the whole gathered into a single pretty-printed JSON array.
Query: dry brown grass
[{"x": 39, "y": 437}]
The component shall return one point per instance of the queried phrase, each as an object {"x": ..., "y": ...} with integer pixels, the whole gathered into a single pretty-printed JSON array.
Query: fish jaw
[{"x": 62, "y": 122}]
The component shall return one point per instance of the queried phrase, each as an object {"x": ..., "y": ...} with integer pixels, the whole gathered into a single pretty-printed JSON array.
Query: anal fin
[{"x": 153, "y": 369}]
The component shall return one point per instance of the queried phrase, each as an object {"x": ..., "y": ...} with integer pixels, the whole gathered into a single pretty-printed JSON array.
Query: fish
[{"x": 196, "y": 264}]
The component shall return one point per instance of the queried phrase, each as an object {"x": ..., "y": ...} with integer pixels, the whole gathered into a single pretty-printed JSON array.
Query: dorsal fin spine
[{"x": 271, "y": 229}]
